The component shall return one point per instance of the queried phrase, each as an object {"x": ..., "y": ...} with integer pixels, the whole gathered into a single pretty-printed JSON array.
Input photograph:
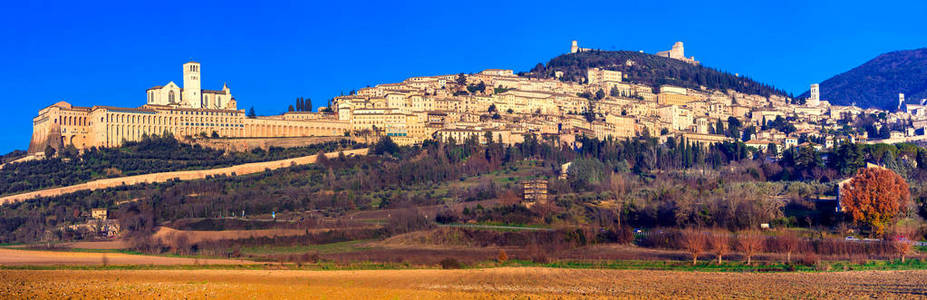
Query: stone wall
[{"x": 247, "y": 144}]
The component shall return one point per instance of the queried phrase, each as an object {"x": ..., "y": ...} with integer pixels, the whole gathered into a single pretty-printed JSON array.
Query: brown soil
[{"x": 508, "y": 283}]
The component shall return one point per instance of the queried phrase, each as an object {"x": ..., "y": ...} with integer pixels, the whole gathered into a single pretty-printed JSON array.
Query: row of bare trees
[
  {"x": 722, "y": 243},
  {"x": 750, "y": 243}
]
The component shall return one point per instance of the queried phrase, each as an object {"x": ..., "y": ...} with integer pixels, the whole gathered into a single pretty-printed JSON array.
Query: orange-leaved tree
[{"x": 875, "y": 197}]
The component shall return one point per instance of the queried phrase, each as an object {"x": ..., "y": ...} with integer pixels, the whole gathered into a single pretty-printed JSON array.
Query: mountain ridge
[{"x": 877, "y": 82}]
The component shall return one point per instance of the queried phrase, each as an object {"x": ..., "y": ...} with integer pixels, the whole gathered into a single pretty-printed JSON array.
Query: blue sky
[{"x": 109, "y": 53}]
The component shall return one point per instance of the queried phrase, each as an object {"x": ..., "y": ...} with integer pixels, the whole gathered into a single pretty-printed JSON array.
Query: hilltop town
[
  {"x": 498, "y": 104},
  {"x": 604, "y": 159},
  {"x": 495, "y": 104}
]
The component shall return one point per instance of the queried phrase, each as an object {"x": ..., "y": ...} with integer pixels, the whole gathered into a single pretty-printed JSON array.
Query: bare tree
[
  {"x": 750, "y": 243},
  {"x": 721, "y": 243},
  {"x": 695, "y": 242},
  {"x": 902, "y": 242},
  {"x": 618, "y": 186},
  {"x": 788, "y": 241},
  {"x": 182, "y": 244}
]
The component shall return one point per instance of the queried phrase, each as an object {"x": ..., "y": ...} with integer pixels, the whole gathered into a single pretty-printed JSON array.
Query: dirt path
[
  {"x": 17, "y": 257},
  {"x": 242, "y": 169},
  {"x": 507, "y": 283},
  {"x": 478, "y": 226}
]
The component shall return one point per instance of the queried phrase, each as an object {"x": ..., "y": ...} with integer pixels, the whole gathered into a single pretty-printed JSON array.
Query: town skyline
[
  {"x": 463, "y": 149},
  {"x": 285, "y": 75}
]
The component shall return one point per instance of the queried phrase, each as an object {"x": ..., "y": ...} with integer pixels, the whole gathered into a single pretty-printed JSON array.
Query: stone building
[
  {"x": 99, "y": 213},
  {"x": 678, "y": 52},
  {"x": 601, "y": 76},
  {"x": 187, "y": 111},
  {"x": 574, "y": 47},
  {"x": 535, "y": 192},
  {"x": 815, "y": 99},
  {"x": 191, "y": 96}
]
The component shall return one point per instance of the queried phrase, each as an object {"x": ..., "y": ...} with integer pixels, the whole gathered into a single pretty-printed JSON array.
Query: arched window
[{"x": 170, "y": 96}]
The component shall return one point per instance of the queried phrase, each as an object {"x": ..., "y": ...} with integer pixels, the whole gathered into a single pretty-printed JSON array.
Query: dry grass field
[
  {"x": 195, "y": 236},
  {"x": 509, "y": 283},
  {"x": 14, "y": 257}
]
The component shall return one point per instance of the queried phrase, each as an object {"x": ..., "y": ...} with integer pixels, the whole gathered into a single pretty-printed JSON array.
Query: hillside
[
  {"x": 651, "y": 70},
  {"x": 877, "y": 82}
]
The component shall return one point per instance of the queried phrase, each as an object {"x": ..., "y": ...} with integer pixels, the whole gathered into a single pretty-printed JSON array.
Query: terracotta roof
[
  {"x": 213, "y": 92},
  {"x": 124, "y": 108}
]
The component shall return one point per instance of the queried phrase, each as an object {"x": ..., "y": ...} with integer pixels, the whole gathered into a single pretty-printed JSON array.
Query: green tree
[
  {"x": 386, "y": 145},
  {"x": 749, "y": 133},
  {"x": 772, "y": 150},
  {"x": 586, "y": 172},
  {"x": 49, "y": 151},
  {"x": 808, "y": 159},
  {"x": 461, "y": 79},
  {"x": 251, "y": 113},
  {"x": 733, "y": 127},
  {"x": 848, "y": 158}
]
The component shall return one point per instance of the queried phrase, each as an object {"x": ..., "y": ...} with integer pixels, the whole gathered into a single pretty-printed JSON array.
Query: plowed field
[{"x": 533, "y": 283}]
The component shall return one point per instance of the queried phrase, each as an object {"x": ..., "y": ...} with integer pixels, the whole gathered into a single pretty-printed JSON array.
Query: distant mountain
[
  {"x": 651, "y": 70},
  {"x": 877, "y": 82}
]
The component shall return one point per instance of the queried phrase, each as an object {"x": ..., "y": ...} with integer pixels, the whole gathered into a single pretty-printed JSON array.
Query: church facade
[
  {"x": 191, "y": 95},
  {"x": 181, "y": 111}
]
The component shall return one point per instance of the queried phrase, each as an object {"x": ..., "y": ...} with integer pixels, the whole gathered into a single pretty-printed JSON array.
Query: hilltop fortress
[
  {"x": 181, "y": 111},
  {"x": 677, "y": 52}
]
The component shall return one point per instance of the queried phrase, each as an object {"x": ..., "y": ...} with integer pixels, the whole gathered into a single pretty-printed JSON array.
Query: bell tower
[
  {"x": 815, "y": 92},
  {"x": 192, "y": 96}
]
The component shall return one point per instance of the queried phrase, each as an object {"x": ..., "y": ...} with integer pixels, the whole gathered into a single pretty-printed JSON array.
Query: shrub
[
  {"x": 311, "y": 257},
  {"x": 503, "y": 257},
  {"x": 625, "y": 235},
  {"x": 809, "y": 259},
  {"x": 446, "y": 217},
  {"x": 540, "y": 258},
  {"x": 407, "y": 220},
  {"x": 450, "y": 263}
]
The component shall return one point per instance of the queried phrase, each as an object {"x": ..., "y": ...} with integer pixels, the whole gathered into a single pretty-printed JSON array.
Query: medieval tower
[
  {"x": 191, "y": 85},
  {"x": 815, "y": 98}
]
